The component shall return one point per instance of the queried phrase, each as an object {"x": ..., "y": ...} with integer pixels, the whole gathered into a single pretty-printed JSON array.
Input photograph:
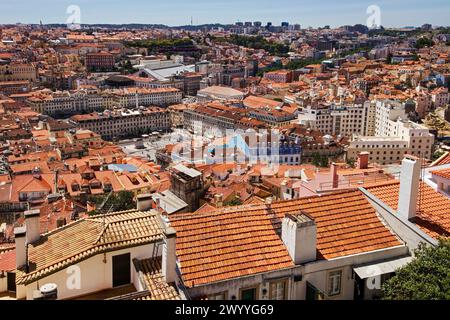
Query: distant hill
[{"x": 134, "y": 26}]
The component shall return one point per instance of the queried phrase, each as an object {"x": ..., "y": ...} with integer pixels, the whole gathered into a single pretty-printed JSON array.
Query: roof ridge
[
  {"x": 108, "y": 223},
  {"x": 102, "y": 232},
  {"x": 442, "y": 157},
  {"x": 115, "y": 213},
  {"x": 381, "y": 184},
  {"x": 64, "y": 226}
]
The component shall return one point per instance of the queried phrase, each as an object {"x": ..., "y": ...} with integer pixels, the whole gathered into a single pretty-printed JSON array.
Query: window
[
  {"x": 334, "y": 283},
  {"x": 277, "y": 290},
  {"x": 218, "y": 296},
  {"x": 248, "y": 294}
]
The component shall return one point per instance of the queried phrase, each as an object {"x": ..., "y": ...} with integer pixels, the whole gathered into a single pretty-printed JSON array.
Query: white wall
[
  {"x": 232, "y": 287},
  {"x": 4, "y": 284},
  {"x": 95, "y": 274},
  {"x": 317, "y": 272},
  {"x": 443, "y": 185}
]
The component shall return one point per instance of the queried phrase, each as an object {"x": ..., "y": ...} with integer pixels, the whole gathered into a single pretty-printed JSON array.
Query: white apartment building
[
  {"x": 386, "y": 114},
  {"x": 334, "y": 120},
  {"x": 66, "y": 102},
  {"x": 394, "y": 137},
  {"x": 75, "y": 102},
  {"x": 128, "y": 98},
  {"x": 119, "y": 123}
]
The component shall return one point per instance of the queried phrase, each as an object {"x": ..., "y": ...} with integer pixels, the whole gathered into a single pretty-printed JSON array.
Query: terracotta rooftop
[
  {"x": 444, "y": 159},
  {"x": 205, "y": 208},
  {"x": 84, "y": 238},
  {"x": 244, "y": 240},
  {"x": 151, "y": 275},
  {"x": 260, "y": 102},
  {"x": 8, "y": 260},
  {"x": 444, "y": 173},
  {"x": 60, "y": 209},
  {"x": 433, "y": 209},
  {"x": 222, "y": 245}
]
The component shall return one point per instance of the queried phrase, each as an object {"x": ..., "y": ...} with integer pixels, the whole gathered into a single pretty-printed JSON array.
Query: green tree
[
  {"x": 437, "y": 154},
  {"x": 427, "y": 277},
  {"x": 234, "y": 202},
  {"x": 298, "y": 64},
  {"x": 351, "y": 162},
  {"x": 122, "y": 200},
  {"x": 323, "y": 162},
  {"x": 389, "y": 58},
  {"x": 424, "y": 42},
  {"x": 259, "y": 42},
  {"x": 316, "y": 159}
]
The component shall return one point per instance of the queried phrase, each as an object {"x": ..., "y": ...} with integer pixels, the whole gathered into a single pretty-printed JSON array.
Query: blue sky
[{"x": 394, "y": 13}]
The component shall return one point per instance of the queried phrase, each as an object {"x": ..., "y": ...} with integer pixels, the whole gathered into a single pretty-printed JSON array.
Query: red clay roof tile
[
  {"x": 244, "y": 240},
  {"x": 433, "y": 209}
]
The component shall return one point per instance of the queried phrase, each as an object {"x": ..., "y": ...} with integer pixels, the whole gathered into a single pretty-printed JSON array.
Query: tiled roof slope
[
  {"x": 227, "y": 244},
  {"x": 433, "y": 215},
  {"x": 244, "y": 240},
  {"x": 87, "y": 237},
  {"x": 346, "y": 223},
  {"x": 8, "y": 260},
  {"x": 444, "y": 173},
  {"x": 444, "y": 159},
  {"x": 151, "y": 275}
]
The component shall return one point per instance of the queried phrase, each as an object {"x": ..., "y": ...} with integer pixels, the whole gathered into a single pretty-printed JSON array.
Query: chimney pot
[
  {"x": 169, "y": 258},
  {"x": 363, "y": 160},
  {"x": 21, "y": 246},
  {"x": 334, "y": 175},
  {"x": 409, "y": 186},
  {"x": 299, "y": 234},
  {"x": 219, "y": 200},
  {"x": 60, "y": 222},
  {"x": 144, "y": 202},
  {"x": 32, "y": 224}
]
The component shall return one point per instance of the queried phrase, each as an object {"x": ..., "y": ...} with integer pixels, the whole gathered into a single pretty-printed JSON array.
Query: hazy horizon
[{"x": 394, "y": 13}]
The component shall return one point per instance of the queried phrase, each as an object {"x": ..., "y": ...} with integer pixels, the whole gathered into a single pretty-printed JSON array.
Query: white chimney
[
  {"x": 409, "y": 186},
  {"x": 21, "y": 246},
  {"x": 144, "y": 202},
  {"x": 32, "y": 224},
  {"x": 169, "y": 257},
  {"x": 299, "y": 234}
]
